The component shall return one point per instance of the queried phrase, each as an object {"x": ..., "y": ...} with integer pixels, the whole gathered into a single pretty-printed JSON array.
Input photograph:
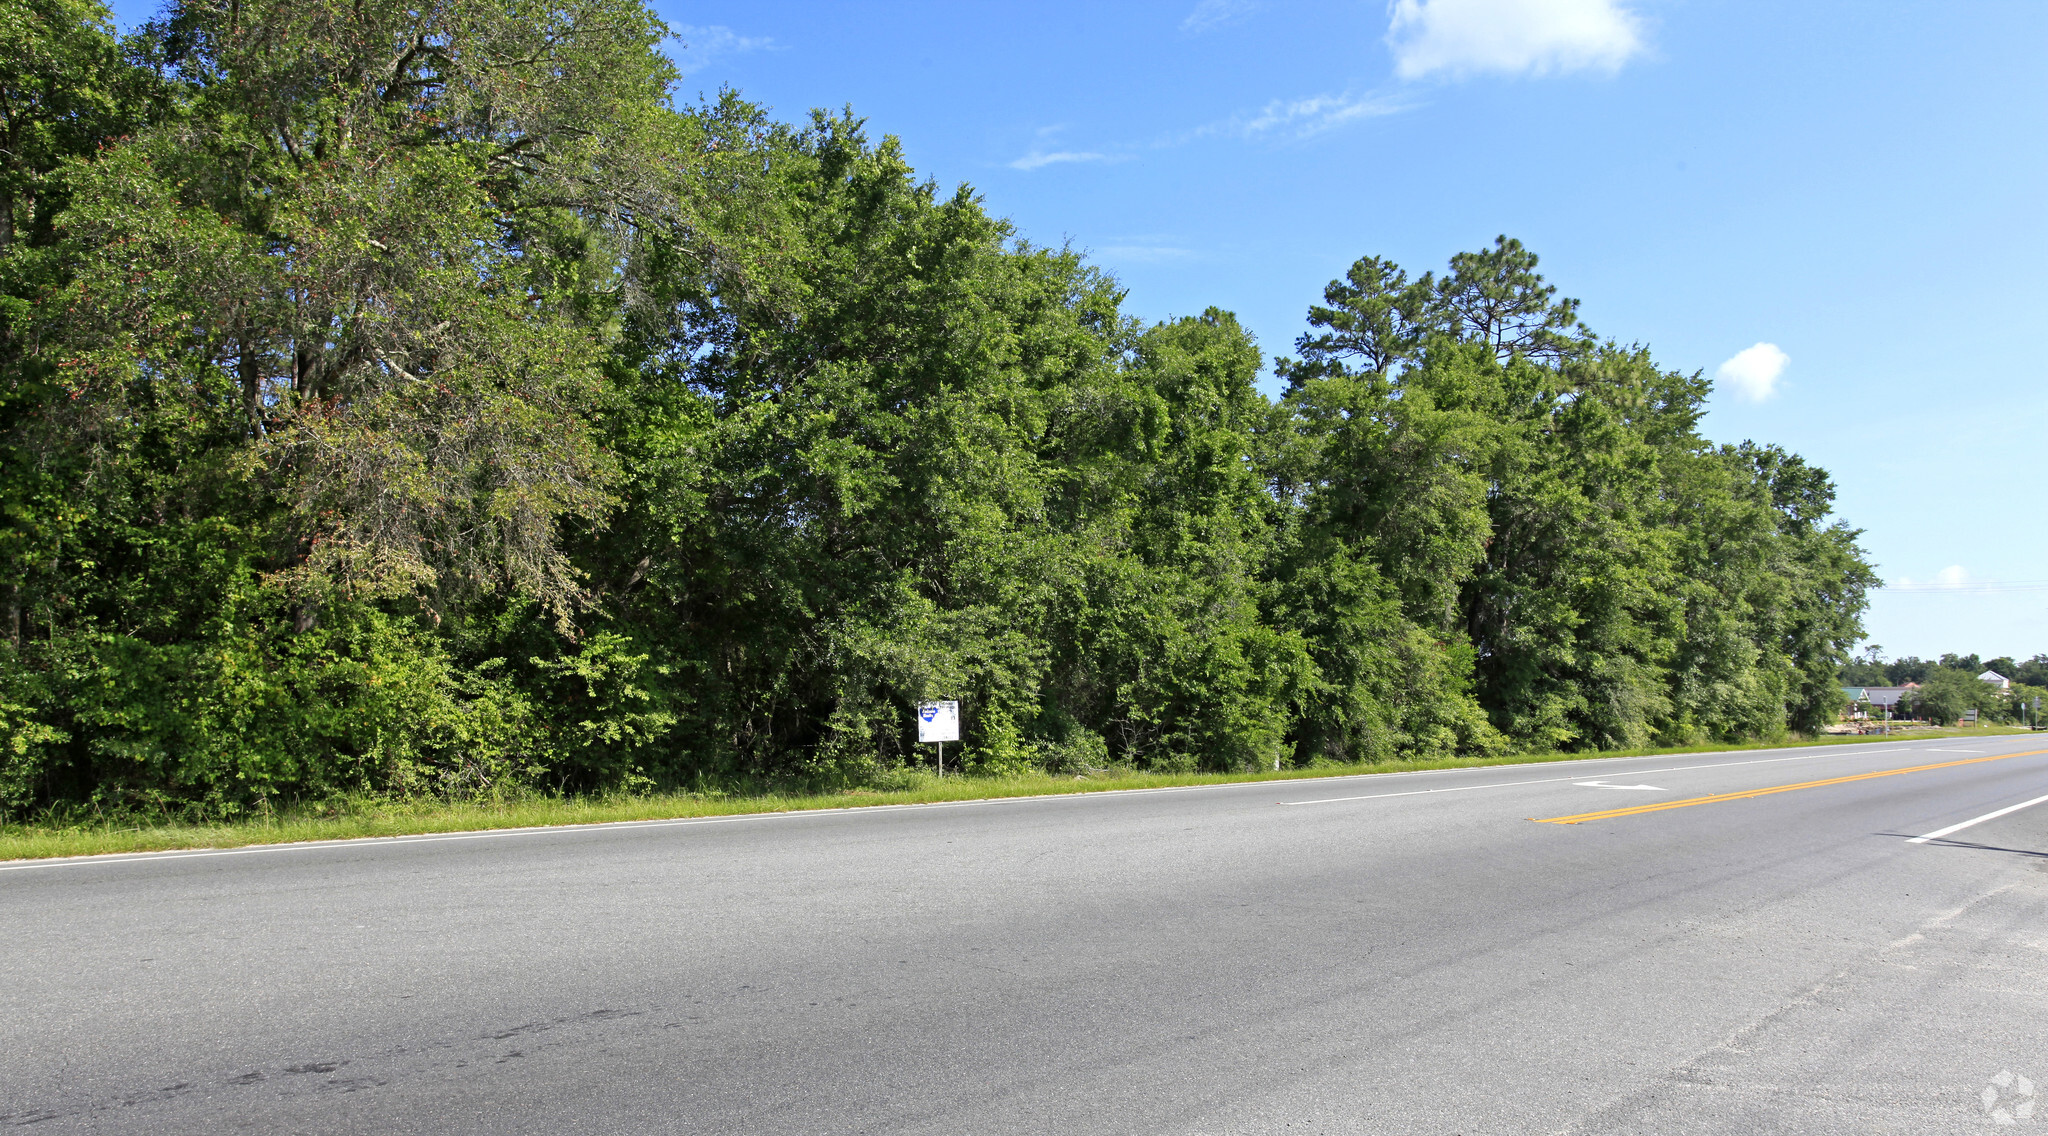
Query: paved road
[{"x": 1407, "y": 953}]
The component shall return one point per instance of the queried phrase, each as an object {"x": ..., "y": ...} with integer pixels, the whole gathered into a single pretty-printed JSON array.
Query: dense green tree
[
  {"x": 412, "y": 399},
  {"x": 936, "y": 462},
  {"x": 1947, "y": 693},
  {"x": 1614, "y": 577},
  {"x": 1899, "y": 672},
  {"x": 2019, "y": 707},
  {"x": 303, "y": 359}
]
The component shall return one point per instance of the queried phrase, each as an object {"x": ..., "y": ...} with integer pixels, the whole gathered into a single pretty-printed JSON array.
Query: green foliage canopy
[{"x": 416, "y": 400}]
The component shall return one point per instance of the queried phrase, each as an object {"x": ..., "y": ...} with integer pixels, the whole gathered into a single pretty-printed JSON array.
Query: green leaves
[
  {"x": 1545, "y": 501},
  {"x": 340, "y": 225},
  {"x": 410, "y": 399}
]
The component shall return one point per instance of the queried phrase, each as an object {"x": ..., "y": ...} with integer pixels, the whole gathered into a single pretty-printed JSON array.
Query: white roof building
[{"x": 1995, "y": 679}]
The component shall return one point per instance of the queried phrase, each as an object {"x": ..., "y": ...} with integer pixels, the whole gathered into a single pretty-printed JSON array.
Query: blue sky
[{"x": 1859, "y": 186}]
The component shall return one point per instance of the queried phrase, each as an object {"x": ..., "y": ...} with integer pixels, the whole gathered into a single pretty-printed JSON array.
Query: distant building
[
  {"x": 1878, "y": 698},
  {"x": 1996, "y": 679}
]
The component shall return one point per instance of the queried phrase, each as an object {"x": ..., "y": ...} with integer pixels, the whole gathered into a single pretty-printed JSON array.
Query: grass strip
[{"x": 369, "y": 817}]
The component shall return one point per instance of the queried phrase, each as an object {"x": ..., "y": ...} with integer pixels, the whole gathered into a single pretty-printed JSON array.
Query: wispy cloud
[
  {"x": 1514, "y": 37},
  {"x": 1037, "y": 159},
  {"x": 1431, "y": 37},
  {"x": 1047, "y": 151},
  {"x": 697, "y": 47},
  {"x": 1955, "y": 579},
  {"x": 1303, "y": 118},
  {"x": 1754, "y": 371},
  {"x": 1280, "y": 119},
  {"x": 1949, "y": 578},
  {"x": 1215, "y": 13}
]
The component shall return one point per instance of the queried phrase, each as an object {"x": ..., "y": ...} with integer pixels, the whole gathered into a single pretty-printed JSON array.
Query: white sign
[{"x": 938, "y": 722}]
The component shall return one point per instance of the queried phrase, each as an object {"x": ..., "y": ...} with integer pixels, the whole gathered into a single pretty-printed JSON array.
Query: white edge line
[
  {"x": 1938, "y": 833},
  {"x": 1848, "y": 749}
]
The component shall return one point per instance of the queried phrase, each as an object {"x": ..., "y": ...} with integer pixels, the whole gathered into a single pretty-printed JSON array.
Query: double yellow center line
[{"x": 1660, "y": 806}]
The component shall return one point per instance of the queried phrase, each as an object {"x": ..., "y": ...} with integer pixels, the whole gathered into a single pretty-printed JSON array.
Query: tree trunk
[{"x": 252, "y": 388}]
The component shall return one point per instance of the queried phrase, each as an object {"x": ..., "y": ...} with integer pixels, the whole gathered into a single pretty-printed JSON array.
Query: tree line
[
  {"x": 420, "y": 399},
  {"x": 1948, "y": 687}
]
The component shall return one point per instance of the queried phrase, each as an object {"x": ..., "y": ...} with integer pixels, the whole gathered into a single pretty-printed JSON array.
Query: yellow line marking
[{"x": 1660, "y": 806}]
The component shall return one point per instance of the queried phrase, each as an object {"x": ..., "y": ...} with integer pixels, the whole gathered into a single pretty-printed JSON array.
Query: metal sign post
[{"x": 939, "y": 722}]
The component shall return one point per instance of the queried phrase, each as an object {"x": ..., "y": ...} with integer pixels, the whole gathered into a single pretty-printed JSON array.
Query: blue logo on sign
[{"x": 928, "y": 712}]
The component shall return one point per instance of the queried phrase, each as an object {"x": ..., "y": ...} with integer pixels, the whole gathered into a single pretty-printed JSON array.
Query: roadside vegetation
[
  {"x": 408, "y": 409},
  {"x": 368, "y": 816}
]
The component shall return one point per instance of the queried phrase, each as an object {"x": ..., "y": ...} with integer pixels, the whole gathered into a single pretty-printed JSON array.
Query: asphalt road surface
[{"x": 1403, "y": 953}]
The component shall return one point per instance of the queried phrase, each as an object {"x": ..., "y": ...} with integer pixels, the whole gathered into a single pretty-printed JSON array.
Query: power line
[{"x": 1989, "y": 587}]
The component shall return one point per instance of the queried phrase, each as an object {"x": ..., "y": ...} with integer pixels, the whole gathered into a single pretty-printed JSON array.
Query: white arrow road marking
[{"x": 1605, "y": 785}]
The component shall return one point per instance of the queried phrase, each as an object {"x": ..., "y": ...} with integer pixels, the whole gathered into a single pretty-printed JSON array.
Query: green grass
[{"x": 358, "y": 818}]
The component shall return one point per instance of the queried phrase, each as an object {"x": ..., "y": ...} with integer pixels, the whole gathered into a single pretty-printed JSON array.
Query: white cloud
[
  {"x": 1515, "y": 37},
  {"x": 1038, "y": 158},
  {"x": 1754, "y": 371},
  {"x": 1953, "y": 576},
  {"x": 1302, "y": 118},
  {"x": 1215, "y": 13},
  {"x": 698, "y": 46}
]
